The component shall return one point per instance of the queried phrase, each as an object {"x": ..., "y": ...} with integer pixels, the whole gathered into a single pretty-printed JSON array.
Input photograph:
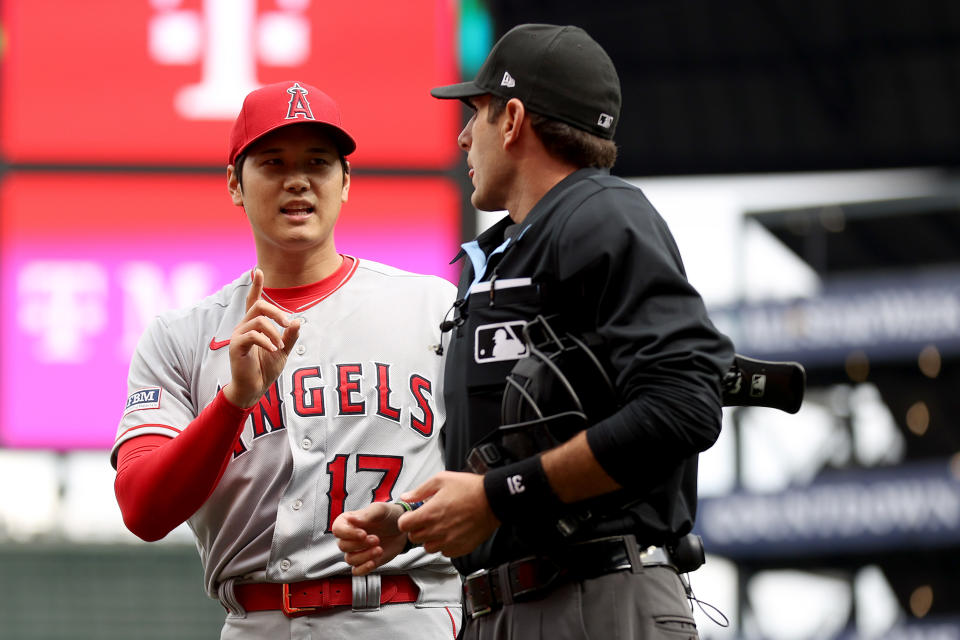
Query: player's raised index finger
[
  {"x": 263, "y": 308},
  {"x": 255, "y": 289}
]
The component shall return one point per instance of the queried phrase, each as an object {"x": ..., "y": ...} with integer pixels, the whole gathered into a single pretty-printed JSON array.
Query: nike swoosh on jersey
[{"x": 214, "y": 345}]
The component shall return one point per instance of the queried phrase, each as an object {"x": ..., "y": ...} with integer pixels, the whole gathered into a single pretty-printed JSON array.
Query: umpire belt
[
  {"x": 363, "y": 593},
  {"x": 489, "y": 589}
]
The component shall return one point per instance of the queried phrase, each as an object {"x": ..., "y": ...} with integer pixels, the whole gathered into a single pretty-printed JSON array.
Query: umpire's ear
[{"x": 234, "y": 187}]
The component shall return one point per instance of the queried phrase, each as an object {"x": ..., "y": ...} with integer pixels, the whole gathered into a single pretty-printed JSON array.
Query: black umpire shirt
[{"x": 595, "y": 253}]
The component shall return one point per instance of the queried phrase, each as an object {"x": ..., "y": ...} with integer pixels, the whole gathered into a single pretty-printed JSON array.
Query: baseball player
[
  {"x": 307, "y": 387},
  {"x": 584, "y": 539}
]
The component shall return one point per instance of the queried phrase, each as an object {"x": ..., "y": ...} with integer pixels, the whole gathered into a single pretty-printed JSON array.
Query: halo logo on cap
[
  {"x": 282, "y": 104},
  {"x": 298, "y": 106}
]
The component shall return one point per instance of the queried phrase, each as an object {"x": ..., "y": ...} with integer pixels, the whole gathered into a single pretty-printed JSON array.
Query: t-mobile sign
[{"x": 160, "y": 81}]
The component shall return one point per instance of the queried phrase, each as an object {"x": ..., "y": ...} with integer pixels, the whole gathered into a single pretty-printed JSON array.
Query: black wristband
[{"x": 520, "y": 491}]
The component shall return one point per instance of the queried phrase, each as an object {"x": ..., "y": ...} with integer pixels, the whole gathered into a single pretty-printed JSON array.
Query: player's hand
[
  {"x": 258, "y": 349},
  {"x": 369, "y": 537},
  {"x": 455, "y": 517}
]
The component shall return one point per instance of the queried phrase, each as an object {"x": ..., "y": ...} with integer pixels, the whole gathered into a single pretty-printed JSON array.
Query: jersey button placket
[
  {"x": 297, "y": 505},
  {"x": 301, "y": 348},
  {"x": 284, "y": 565},
  {"x": 306, "y": 443}
]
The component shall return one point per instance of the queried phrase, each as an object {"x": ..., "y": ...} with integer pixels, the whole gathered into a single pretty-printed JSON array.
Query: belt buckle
[
  {"x": 473, "y": 578},
  {"x": 531, "y": 576},
  {"x": 291, "y": 611}
]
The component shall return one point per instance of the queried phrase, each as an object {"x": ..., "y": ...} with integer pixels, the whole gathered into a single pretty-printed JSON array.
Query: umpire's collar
[
  {"x": 490, "y": 239},
  {"x": 494, "y": 236}
]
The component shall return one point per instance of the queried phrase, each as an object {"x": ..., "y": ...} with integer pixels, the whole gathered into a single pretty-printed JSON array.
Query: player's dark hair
[
  {"x": 562, "y": 140},
  {"x": 238, "y": 167}
]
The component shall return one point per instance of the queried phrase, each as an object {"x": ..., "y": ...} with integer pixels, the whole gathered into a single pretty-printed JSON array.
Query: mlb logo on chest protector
[
  {"x": 499, "y": 341},
  {"x": 143, "y": 399}
]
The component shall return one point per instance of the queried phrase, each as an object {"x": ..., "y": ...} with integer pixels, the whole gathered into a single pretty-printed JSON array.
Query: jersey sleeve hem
[{"x": 141, "y": 430}]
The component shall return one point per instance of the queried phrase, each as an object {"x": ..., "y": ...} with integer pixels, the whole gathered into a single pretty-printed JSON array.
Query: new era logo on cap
[
  {"x": 508, "y": 80},
  {"x": 605, "y": 120}
]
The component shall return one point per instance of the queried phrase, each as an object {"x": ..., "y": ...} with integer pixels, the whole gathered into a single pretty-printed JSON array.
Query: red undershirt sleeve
[{"x": 162, "y": 481}]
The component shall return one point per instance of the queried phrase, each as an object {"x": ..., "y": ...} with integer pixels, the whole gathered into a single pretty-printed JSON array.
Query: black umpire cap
[{"x": 556, "y": 71}]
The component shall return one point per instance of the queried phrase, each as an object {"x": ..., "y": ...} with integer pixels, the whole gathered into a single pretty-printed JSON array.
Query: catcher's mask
[{"x": 556, "y": 391}]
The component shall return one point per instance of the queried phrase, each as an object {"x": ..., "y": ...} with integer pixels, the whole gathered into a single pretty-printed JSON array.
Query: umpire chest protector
[
  {"x": 559, "y": 388},
  {"x": 486, "y": 325}
]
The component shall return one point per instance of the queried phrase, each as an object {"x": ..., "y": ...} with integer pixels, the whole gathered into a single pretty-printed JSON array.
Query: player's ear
[
  {"x": 345, "y": 191},
  {"x": 233, "y": 186}
]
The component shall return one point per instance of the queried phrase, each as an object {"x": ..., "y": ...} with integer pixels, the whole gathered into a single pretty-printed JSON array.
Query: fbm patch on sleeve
[{"x": 143, "y": 399}]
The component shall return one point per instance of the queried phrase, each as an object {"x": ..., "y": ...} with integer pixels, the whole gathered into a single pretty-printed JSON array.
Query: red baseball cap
[{"x": 283, "y": 103}]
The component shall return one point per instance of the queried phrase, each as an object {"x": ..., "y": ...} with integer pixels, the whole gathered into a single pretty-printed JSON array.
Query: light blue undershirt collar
[{"x": 479, "y": 260}]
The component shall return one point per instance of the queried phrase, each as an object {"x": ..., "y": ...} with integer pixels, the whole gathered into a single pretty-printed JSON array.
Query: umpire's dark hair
[
  {"x": 573, "y": 145},
  {"x": 238, "y": 166}
]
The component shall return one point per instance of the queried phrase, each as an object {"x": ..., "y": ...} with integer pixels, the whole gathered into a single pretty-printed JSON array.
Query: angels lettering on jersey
[{"x": 343, "y": 390}]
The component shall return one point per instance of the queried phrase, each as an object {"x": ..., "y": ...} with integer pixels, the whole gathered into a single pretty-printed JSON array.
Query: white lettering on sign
[
  {"x": 858, "y": 319},
  {"x": 146, "y": 292},
  {"x": 227, "y": 38},
  {"x": 63, "y": 303},
  {"x": 843, "y": 511}
]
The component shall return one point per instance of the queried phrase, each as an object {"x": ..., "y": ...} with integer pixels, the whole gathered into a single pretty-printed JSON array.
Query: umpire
[{"x": 579, "y": 540}]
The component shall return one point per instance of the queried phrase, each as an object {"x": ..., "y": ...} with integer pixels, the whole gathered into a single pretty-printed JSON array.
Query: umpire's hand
[
  {"x": 258, "y": 351},
  {"x": 455, "y": 517}
]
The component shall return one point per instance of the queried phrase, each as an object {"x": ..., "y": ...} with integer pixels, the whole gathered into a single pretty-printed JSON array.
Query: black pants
[{"x": 647, "y": 605}]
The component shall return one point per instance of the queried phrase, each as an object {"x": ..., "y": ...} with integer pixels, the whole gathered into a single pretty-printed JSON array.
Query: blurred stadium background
[{"x": 804, "y": 153}]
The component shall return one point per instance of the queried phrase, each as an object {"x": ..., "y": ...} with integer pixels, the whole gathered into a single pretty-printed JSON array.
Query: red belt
[{"x": 303, "y": 598}]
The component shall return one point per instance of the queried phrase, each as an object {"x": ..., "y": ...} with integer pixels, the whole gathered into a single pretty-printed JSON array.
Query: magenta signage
[{"x": 79, "y": 281}]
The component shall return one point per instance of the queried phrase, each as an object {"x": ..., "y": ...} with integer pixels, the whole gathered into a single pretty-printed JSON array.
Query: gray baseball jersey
[{"x": 354, "y": 417}]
